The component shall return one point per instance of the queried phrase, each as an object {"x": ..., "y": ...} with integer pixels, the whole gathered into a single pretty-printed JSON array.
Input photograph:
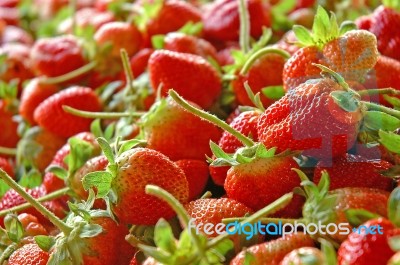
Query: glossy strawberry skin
[
  {"x": 51, "y": 116},
  {"x": 57, "y": 56},
  {"x": 355, "y": 171},
  {"x": 139, "y": 61},
  {"x": 29, "y": 254},
  {"x": 196, "y": 172},
  {"x": 7, "y": 167},
  {"x": 190, "y": 75},
  {"x": 8, "y": 137},
  {"x": 362, "y": 249}
]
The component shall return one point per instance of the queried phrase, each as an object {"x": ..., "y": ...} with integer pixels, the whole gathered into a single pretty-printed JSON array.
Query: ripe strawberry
[
  {"x": 8, "y": 135},
  {"x": 246, "y": 123},
  {"x": 274, "y": 251},
  {"x": 178, "y": 134},
  {"x": 362, "y": 248},
  {"x": 265, "y": 72},
  {"x": 120, "y": 35},
  {"x": 302, "y": 255},
  {"x": 196, "y": 172},
  {"x": 12, "y": 34},
  {"x": 395, "y": 259},
  {"x": 308, "y": 118},
  {"x": 6, "y": 166},
  {"x": 29, "y": 254},
  {"x": 32, "y": 95},
  {"x": 31, "y": 225},
  {"x": 355, "y": 171},
  {"x": 190, "y": 75},
  {"x": 179, "y": 42},
  {"x": 38, "y": 147},
  {"x": 128, "y": 176},
  {"x": 172, "y": 15},
  {"x": 57, "y": 55},
  {"x": 139, "y": 61},
  {"x": 204, "y": 211},
  {"x": 221, "y": 19},
  {"x": 51, "y": 116}
]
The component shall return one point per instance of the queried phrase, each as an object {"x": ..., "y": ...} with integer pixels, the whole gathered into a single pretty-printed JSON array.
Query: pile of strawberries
[{"x": 129, "y": 129}]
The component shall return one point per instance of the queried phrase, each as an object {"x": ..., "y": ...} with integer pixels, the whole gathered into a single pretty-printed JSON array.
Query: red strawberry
[
  {"x": 12, "y": 34},
  {"x": 355, "y": 171},
  {"x": 57, "y": 56},
  {"x": 274, "y": 251},
  {"x": 8, "y": 135},
  {"x": 179, "y": 42},
  {"x": 120, "y": 35},
  {"x": 190, "y": 75},
  {"x": 204, "y": 211},
  {"x": 32, "y": 95},
  {"x": 6, "y": 166},
  {"x": 196, "y": 172},
  {"x": 31, "y": 225},
  {"x": 29, "y": 254},
  {"x": 362, "y": 248},
  {"x": 51, "y": 116},
  {"x": 172, "y": 15},
  {"x": 139, "y": 61},
  {"x": 221, "y": 19},
  {"x": 178, "y": 134}
]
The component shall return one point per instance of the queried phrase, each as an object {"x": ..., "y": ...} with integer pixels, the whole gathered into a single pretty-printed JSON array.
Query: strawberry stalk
[
  {"x": 211, "y": 118},
  {"x": 127, "y": 70},
  {"x": 379, "y": 91},
  {"x": 377, "y": 107},
  {"x": 48, "y": 197},
  {"x": 249, "y": 63},
  {"x": 244, "y": 37},
  {"x": 32, "y": 201},
  {"x": 8, "y": 151},
  {"x": 101, "y": 115},
  {"x": 7, "y": 252},
  {"x": 68, "y": 76}
]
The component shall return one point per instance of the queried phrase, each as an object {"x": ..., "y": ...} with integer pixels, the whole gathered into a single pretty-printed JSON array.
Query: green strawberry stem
[
  {"x": 47, "y": 197},
  {"x": 32, "y": 201},
  {"x": 180, "y": 211},
  {"x": 206, "y": 195},
  {"x": 8, "y": 151},
  {"x": 244, "y": 37},
  {"x": 249, "y": 63},
  {"x": 211, "y": 118},
  {"x": 8, "y": 251},
  {"x": 127, "y": 70},
  {"x": 379, "y": 91},
  {"x": 101, "y": 115},
  {"x": 73, "y": 6},
  {"x": 377, "y": 107},
  {"x": 68, "y": 76},
  {"x": 271, "y": 208}
]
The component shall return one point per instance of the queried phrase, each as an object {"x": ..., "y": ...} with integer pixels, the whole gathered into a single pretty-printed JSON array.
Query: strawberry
[
  {"x": 178, "y": 134},
  {"x": 139, "y": 61},
  {"x": 308, "y": 118},
  {"x": 274, "y": 251},
  {"x": 128, "y": 175},
  {"x": 179, "y": 42},
  {"x": 190, "y": 75},
  {"x": 8, "y": 136},
  {"x": 32, "y": 95},
  {"x": 301, "y": 256},
  {"x": 196, "y": 172},
  {"x": 31, "y": 225},
  {"x": 362, "y": 248},
  {"x": 221, "y": 19},
  {"x": 120, "y": 35},
  {"x": 204, "y": 211},
  {"x": 6, "y": 166},
  {"x": 51, "y": 116},
  {"x": 384, "y": 24},
  {"x": 355, "y": 171},
  {"x": 57, "y": 56},
  {"x": 171, "y": 16},
  {"x": 38, "y": 147},
  {"x": 12, "y": 34},
  {"x": 246, "y": 123},
  {"x": 29, "y": 254},
  {"x": 352, "y": 54},
  {"x": 395, "y": 259}
]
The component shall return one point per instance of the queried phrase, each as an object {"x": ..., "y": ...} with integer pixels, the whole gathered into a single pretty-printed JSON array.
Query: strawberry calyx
[
  {"x": 392, "y": 4},
  {"x": 394, "y": 207},
  {"x": 324, "y": 30}
]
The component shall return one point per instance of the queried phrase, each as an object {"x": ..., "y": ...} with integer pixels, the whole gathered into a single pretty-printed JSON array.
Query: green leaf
[
  {"x": 101, "y": 180},
  {"x": 164, "y": 237},
  {"x": 394, "y": 207},
  {"x": 377, "y": 120},
  {"x": 273, "y": 92},
  {"x": 95, "y": 128},
  {"x": 193, "y": 29},
  {"x": 81, "y": 151},
  {"x": 14, "y": 228},
  {"x": 157, "y": 254},
  {"x": 394, "y": 243},
  {"x": 158, "y": 41},
  {"x": 90, "y": 230},
  {"x": 130, "y": 144},
  {"x": 3, "y": 188},
  {"x": 107, "y": 150},
  {"x": 109, "y": 131},
  {"x": 60, "y": 172},
  {"x": 321, "y": 24},
  {"x": 346, "y": 100},
  {"x": 329, "y": 252},
  {"x": 390, "y": 140},
  {"x": 347, "y": 26},
  {"x": 45, "y": 242},
  {"x": 303, "y": 35},
  {"x": 30, "y": 180},
  {"x": 249, "y": 258},
  {"x": 357, "y": 217},
  {"x": 218, "y": 152}
]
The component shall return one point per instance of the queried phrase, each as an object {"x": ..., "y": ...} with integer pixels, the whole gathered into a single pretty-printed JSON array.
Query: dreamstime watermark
[{"x": 252, "y": 229}]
